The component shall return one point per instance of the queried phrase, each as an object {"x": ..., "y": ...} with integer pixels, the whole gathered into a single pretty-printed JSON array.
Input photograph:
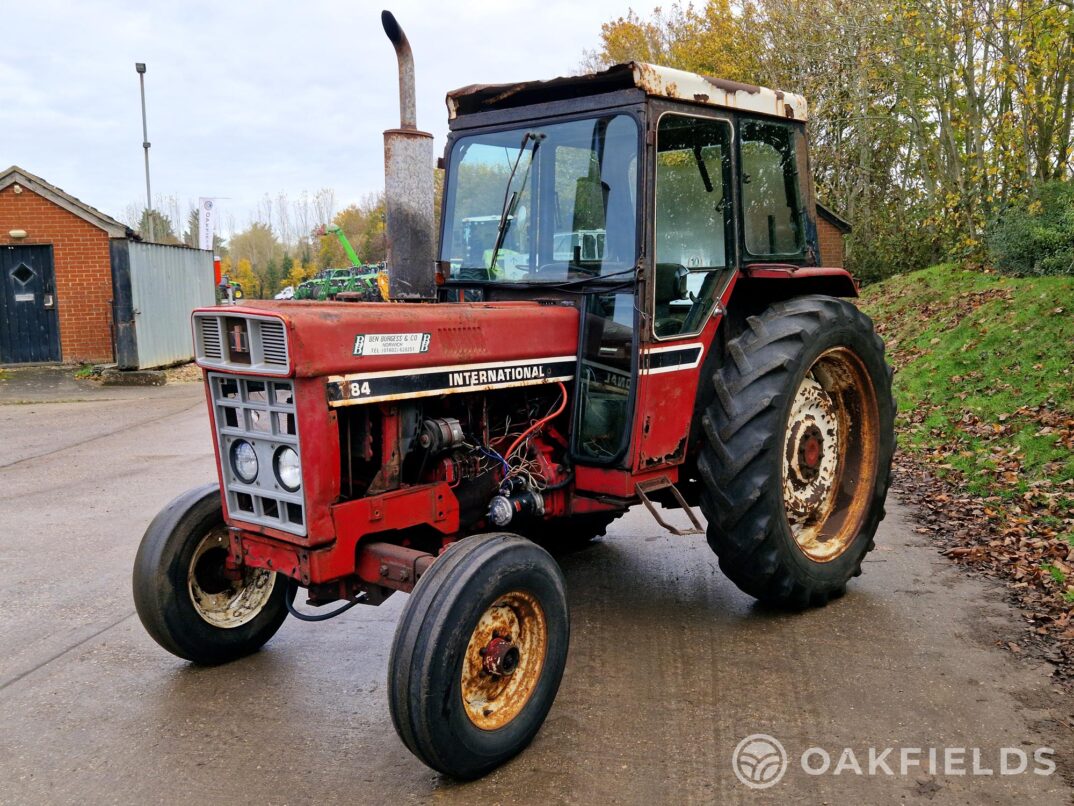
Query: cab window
[
  {"x": 771, "y": 207},
  {"x": 693, "y": 221}
]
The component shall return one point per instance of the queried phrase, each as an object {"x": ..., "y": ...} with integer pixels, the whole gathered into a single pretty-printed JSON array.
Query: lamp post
[{"x": 140, "y": 69}]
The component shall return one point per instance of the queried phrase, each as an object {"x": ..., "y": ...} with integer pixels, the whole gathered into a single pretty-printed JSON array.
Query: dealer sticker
[{"x": 391, "y": 343}]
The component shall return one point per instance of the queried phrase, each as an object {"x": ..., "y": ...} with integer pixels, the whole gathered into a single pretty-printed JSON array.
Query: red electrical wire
[{"x": 539, "y": 423}]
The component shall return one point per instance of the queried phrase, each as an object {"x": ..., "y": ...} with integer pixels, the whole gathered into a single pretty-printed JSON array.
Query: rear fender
[{"x": 781, "y": 281}]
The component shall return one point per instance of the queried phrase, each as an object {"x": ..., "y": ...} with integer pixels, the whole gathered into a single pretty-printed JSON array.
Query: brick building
[
  {"x": 55, "y": 273},
  {"x": 832, "y": 230}
]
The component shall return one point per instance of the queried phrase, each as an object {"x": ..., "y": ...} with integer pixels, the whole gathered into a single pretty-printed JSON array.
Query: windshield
[{"x": 543, "y": 205}]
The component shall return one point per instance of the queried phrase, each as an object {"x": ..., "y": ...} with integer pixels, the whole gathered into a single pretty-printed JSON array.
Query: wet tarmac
[{"x": 670, "y": 665}]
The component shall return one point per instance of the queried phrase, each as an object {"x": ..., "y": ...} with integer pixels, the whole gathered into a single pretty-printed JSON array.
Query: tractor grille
[
  {"x": 261, "y": 412},
  {"x": 211, "y": 341},
  {"x": 274, "y": 344},
  {"x": 245, "y": 343}
]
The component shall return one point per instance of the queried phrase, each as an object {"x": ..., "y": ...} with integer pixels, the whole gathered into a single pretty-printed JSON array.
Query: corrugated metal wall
[{"x": 163, "y": 285}]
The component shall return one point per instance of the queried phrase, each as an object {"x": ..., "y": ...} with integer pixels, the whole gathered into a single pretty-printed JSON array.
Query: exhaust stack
[{"x": 408, "y": 186}]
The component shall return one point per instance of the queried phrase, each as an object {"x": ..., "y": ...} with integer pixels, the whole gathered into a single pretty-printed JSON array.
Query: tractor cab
[{"x": 636, "y": 194}]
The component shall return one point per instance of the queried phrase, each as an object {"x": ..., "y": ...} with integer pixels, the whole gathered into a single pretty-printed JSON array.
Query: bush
[{"x": 1035, "y": 236}]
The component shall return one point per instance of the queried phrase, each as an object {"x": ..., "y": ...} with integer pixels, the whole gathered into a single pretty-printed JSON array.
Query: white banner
[{"x": 206, "y": 221}]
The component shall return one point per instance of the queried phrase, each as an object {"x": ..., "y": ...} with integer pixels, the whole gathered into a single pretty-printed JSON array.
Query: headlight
[
  {"x": 244, "y": 461},
  {"x": 288, "y": 469}
]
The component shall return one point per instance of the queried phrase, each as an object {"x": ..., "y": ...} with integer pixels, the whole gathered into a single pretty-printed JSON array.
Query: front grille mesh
[
  {"x": 211, "y": 344},
  {"x": 260, "y": 411},
  {"x": 254, "y": 344},
  {"x": 274, "y": 343}
]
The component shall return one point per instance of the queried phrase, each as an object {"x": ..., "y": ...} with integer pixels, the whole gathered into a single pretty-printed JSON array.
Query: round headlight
[
  {"x": 244, "y": 461},
  {"x": 288, "y": 469}
]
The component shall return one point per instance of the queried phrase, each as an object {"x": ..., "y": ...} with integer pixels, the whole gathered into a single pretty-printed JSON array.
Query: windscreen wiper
[
  {"x": 509, "y": 206},
  {"x": 580, "y": 284}
]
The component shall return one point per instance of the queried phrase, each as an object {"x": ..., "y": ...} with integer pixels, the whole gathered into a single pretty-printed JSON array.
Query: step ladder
[{"x": 643, "y": 488}]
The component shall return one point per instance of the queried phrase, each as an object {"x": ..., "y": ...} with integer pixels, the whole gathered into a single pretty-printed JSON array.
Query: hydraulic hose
[{"x": 289, "y": 601}]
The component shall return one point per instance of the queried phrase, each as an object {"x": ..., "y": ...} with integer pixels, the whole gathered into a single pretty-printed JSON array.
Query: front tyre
[
  {"x": 796, "y": 459},
  {"x": 184, "y": 597},
  {"x": 478, "y": 654}
]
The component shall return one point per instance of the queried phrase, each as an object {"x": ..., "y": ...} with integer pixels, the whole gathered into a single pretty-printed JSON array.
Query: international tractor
[{"x": 699, "y": 358}]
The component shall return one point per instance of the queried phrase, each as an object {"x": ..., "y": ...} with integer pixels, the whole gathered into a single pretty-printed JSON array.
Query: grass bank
[{"x": 985, "y": 385}]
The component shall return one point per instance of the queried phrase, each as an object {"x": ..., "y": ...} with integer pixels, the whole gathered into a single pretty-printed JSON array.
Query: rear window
[{"x": 771, "y": 203}]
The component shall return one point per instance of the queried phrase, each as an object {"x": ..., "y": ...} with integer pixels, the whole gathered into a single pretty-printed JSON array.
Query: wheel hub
[
  {"x": 811, "y": 455},
  {"x": 219, "y": 600},
  {"x": 504, "y": 660},
  {"x": 501, "y": 657},
  {"x": 810, "y": 450}
]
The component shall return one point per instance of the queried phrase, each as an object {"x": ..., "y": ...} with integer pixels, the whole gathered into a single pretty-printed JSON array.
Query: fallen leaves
[
  {"x": 1022, "y": 542},
  {"x": 986, "y": 434}
]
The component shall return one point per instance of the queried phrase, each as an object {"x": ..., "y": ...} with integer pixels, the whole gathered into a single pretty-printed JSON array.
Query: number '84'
[{"x": 359, "y": 389}]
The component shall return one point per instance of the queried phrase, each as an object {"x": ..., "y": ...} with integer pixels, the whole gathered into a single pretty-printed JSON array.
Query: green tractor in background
[{"x": 356, "y": 283}]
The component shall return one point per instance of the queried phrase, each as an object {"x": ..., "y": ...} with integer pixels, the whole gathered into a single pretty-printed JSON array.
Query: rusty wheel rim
[
  {"x": 504, "y": 660},
  {"x": 830, "y": 454},
  {"x": 220, "y": 601}
]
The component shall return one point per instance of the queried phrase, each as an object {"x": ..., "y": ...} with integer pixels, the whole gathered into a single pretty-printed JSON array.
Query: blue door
[{"x": 29, "y": 326}]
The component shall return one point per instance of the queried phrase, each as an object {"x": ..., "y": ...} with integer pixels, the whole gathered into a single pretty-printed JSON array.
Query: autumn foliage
[{"x": 928, "y": 117}]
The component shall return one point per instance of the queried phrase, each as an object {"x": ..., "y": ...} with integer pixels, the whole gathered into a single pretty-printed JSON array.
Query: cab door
[
  {"x": 693, "y": 262},
  {"x": 606, "y": 369}
]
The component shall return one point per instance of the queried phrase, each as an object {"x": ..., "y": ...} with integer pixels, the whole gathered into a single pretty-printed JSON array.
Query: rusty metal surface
[
  {"x": 654, "y": 80},
  {"x": 220, "y": 598},
  {"x": 829, "y": 455},
  {"x": 408, "y": 197},
  {"x": 392, "y": 566},
  {"x": 643, "y": 488},
  {"x": 504, "y": 660},
  {"x": 321, "y": 335}
]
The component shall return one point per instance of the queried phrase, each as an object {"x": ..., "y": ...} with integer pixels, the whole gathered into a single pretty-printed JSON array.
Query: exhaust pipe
[{"x": 408, "y": 186}]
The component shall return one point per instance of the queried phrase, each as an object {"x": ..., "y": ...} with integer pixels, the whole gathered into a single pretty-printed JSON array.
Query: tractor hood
[{"x": 332, "y": 339}]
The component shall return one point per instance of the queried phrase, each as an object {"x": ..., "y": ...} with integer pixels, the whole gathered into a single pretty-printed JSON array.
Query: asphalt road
[{"x": 670, "y": 666}]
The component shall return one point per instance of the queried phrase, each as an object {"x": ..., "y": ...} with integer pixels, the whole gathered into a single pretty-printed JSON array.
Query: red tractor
[{"x": 646, "y": 322}]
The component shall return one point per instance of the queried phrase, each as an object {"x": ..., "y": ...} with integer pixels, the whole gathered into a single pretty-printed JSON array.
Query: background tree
[
  {"x": 927, "y": 117},
  {"x": 252, "y": 283},
  {"x": 259, "y": 246},
  {"x": 163, "y": 229}
]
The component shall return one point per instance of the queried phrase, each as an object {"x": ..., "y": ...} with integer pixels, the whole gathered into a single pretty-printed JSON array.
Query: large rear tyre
[
  {"x": 478, "y": 654},
  {"x": 796, "y": 458},
  {"x": 184, "y": 597}
]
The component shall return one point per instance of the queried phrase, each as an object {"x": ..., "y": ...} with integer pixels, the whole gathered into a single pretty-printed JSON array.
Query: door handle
[{"x": 50, "y": 301}]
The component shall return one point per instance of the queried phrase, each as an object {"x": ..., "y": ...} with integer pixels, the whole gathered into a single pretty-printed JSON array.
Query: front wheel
[
  {"x": 184, "y": 596},
  {"x": 797, "y": 453},
  {"x": 479, "y": 654}
]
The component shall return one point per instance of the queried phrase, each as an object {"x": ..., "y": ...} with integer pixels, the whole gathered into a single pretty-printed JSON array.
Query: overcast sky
[{"x": 252, "y": 98}]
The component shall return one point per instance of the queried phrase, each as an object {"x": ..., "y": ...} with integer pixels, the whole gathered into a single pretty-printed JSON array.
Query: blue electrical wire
[{"x": 489, "y": 452}]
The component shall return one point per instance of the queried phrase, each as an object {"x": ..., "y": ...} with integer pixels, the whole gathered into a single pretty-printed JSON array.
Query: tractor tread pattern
[{"x": 741, "y": 428}]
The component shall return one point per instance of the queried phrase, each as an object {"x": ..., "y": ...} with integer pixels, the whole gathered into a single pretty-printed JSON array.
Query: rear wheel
[
  {"x": 479, "y": 654},
  {"x": 797, "y": 453},
  {"x": 184, "y": 595}
]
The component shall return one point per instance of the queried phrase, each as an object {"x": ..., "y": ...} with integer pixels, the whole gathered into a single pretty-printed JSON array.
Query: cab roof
[{"x": 653, "y": 80}]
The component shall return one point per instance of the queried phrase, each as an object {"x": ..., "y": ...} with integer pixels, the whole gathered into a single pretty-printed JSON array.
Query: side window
[
  {"x": 771, "y": 207},
  {"x": 693, "y": 220}
]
